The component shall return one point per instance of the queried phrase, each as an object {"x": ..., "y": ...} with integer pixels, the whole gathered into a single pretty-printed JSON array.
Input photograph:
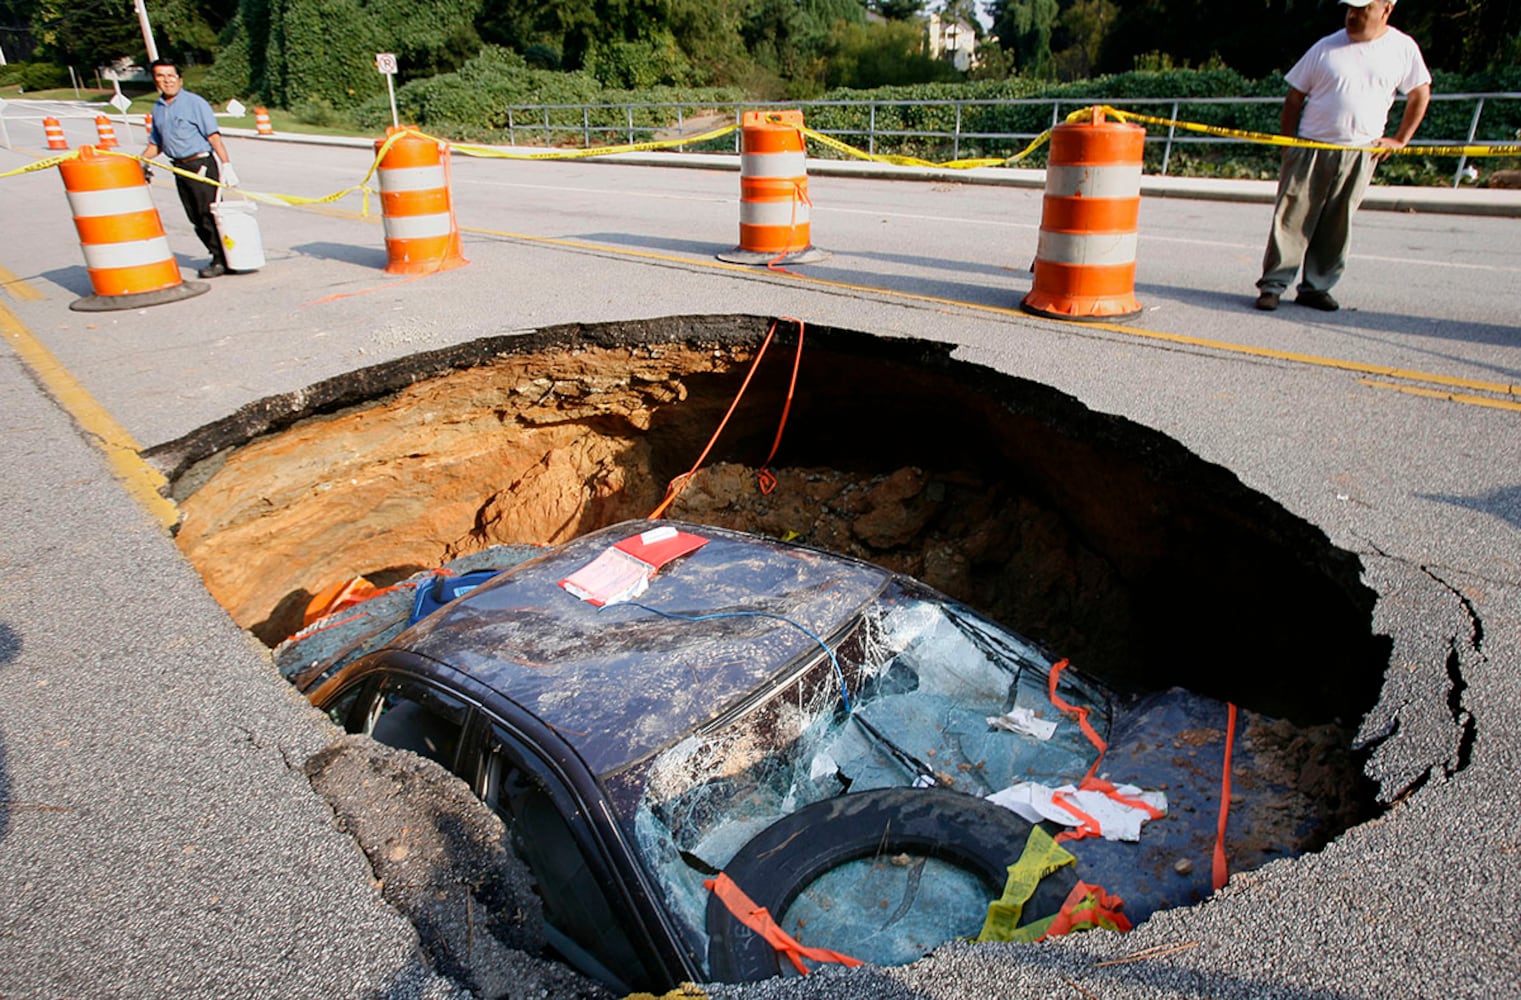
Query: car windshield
[{"x": 918, "y": 692}]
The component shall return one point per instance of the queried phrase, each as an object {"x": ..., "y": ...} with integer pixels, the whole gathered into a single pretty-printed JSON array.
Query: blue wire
[{"x": 834, "y": 660}]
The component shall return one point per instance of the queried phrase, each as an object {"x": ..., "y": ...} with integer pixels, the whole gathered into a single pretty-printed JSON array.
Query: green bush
[{"x": 34, "y": 76}]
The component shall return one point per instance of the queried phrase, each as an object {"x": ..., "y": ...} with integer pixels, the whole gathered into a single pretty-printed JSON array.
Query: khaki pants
[{"x": 1318, "y": 190}]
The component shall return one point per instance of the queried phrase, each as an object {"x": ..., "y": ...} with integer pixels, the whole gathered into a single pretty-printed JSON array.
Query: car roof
[{"x": 621, "y": 682}]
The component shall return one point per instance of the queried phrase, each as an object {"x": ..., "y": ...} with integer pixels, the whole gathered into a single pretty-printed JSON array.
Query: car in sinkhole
[{"x": 660, "y": 710}]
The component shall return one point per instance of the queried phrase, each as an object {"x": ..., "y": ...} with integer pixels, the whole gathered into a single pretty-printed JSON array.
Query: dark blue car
[{"x": 822, "y": 730}]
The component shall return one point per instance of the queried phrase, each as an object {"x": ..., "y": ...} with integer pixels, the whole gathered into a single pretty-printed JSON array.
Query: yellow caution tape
[
  {"x": 581, "y": 154},
  {"x": 1042, "y": 856},
  {"x": 911, "y": 161},
  {"x": 51, "y": 161},
  {"x": 1494, "y": 149}
]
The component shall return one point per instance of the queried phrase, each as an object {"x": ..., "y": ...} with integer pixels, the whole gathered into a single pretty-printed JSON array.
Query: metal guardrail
[{"x": 535, "y": 119}]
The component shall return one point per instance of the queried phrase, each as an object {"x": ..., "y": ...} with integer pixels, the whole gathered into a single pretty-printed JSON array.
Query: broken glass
[{"x": 907, "y": 696}]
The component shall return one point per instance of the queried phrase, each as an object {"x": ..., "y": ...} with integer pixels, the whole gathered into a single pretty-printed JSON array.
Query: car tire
[{"x": 785, "y": 858}]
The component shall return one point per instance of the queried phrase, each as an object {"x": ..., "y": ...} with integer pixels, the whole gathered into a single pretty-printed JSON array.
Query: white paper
[{"x": 1022, "y": 720}]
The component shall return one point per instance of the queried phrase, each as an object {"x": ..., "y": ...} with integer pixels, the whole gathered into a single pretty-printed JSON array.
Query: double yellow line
[{"x": 123, "y": 454}]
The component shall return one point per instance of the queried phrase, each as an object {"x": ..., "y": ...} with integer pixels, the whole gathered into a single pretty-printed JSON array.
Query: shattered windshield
[{"x": 918, "y": 692}]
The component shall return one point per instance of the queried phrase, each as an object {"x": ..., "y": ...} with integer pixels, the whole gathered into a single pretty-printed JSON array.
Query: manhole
[{"x": 1108, "y": 541}]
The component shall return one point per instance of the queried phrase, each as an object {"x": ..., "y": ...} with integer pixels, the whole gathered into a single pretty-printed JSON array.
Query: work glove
[
  {"x": 229, "y": 175},
  {"x": 147, "y": 173}
]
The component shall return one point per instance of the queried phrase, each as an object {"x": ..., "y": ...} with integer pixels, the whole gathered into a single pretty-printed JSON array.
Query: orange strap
[
  {"x": 680, "y": 482},
  {"x": 1080, "y": 714},
  {"x": 798, "y": 195},
  {"x": 1100, "y": 785},
  {"x": 759, "y": 920},
  {"x": 1087, "y": 825},
  {"x": 1221, "y": 869},
  {"x": 765, "y": 479},
  {"x": 1086, "y": 907}
]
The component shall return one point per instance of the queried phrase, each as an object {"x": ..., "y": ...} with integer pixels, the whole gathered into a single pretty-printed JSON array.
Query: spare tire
[{"x": 790, "y": 854}]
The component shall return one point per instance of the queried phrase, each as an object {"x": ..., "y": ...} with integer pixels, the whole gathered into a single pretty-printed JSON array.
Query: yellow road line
[
  {"x": 1416, "y": 390},
  {"x": 1510, "y": 390},
  {"x": 141, "y": 480},
  {"x": 18, "y": 287}
]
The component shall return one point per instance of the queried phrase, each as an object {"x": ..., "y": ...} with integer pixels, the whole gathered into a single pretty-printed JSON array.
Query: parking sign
[{"x": 385, "y": 62}]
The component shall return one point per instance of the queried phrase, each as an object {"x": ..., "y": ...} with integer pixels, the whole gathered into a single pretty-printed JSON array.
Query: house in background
[{"x": 952, "y": 39}]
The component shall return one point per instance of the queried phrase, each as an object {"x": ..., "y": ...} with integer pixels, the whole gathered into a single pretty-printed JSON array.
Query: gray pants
[{"x": 1318, "y": 190}]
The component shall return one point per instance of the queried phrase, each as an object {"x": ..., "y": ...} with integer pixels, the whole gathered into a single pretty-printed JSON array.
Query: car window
[
  {"x": 411, "y": 714},
  {"x": 909, "y": 698},
  {"x": 582, "y": 924}
]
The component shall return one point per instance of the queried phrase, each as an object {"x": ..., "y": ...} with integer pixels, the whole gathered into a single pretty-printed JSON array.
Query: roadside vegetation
[{"x": 469, "y": 63}]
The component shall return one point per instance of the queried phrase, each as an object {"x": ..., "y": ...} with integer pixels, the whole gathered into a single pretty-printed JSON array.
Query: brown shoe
[
  {"x": 1267, "y": 301},
  {"x": 1317, "y": 300}
]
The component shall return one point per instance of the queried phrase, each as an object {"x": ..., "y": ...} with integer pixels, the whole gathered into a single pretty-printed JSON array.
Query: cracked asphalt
[{"x": 159, "y": 837}]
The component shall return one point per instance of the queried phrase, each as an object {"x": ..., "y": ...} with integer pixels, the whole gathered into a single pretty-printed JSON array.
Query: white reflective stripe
[
  {"x": 412, "y": 178},
  {"x": 1079, "y": 248},
  {"x": 417, "y": 227},
  {"x": 1094, "y": 182},
  {"x": 133, "y": 253},
  {"x": 773, "y": 213},
  {"x": 111, "y": 201},
  {"x": 773, "y": 164}
]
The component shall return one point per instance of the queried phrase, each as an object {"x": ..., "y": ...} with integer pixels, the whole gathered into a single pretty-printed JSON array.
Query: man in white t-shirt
[{"x": 1340, "y": 92}]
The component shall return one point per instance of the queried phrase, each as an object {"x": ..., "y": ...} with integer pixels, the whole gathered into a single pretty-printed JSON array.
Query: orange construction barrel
[
  {"x": 106, "y": 131},
  {"x": 1085, "y": 261},
  {"x": 125, "y": 249},
  {"x": 774, "y": 226},
  {"x": 53, "y": 129},
  {"x": 414, "y": 199},
  {"x": 262, "y": 123}
]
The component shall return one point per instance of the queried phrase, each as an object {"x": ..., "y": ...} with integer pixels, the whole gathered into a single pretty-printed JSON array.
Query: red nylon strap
[
  {"x": 1087, "y": 825},
  {"x": 678, "y": 484},
  {"x": 1221, "y": 868},
  {"x": 1080, "y": 714},
  {"x": 1086, "y": 907},
  {"x": 759, "y": 920},
  {"x": 1100, "y": 785},
  {"x": 766, "y": 480}
]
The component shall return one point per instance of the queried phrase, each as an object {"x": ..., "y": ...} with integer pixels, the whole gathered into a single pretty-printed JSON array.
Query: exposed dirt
[{"x": 1106, "y": 540}]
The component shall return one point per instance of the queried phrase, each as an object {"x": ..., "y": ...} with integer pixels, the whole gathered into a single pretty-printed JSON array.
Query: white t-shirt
[{"x": 1351, "y": 85}]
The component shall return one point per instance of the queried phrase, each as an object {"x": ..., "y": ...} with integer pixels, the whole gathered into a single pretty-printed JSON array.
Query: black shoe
[
  {"x": 1317, "y": 300},
  {"x": 1267, "y": 301},
  {"x": 213, "y": 270}
]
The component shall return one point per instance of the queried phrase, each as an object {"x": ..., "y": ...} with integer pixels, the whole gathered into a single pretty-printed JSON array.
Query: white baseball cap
[{"x": 1361, "y": 3}]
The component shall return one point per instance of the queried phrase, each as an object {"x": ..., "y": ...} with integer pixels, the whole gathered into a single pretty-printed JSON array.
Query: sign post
[{"x": 385, "y": 62}]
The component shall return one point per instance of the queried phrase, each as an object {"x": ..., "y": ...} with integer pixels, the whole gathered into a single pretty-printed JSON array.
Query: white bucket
[{"x": 239, "y": 230}]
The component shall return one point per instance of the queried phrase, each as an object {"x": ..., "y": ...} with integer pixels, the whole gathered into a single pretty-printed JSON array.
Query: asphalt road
[{"x": 153, "y": 838}]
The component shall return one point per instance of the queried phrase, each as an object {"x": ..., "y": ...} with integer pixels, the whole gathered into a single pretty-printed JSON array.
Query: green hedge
[
  {"x": 481, "y": 99},
  {"x": 33, "y": 76}
]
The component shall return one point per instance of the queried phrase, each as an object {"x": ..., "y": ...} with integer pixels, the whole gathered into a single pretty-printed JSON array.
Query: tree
[
  {"x": 898, "y": 10},
  {"x": 1080, "y": 38},
  {"x": 1025, "y": 27},
  {"x": 87, "y": 35},
  {"x": 869, "y": 55}
]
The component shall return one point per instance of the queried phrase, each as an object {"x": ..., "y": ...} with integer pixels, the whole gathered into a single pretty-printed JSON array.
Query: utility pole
[{"x": 142, "y": 19}]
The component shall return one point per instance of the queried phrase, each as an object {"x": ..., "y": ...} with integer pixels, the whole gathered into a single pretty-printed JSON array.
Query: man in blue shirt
[{"x": 185, "y": 129}]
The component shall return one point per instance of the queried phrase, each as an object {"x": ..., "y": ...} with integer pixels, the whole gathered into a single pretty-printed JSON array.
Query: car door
[{"x": 586, "y": 917}]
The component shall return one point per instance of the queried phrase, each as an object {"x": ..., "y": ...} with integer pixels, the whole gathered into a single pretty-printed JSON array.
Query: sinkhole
[{"x": 1106, "y": 541}]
